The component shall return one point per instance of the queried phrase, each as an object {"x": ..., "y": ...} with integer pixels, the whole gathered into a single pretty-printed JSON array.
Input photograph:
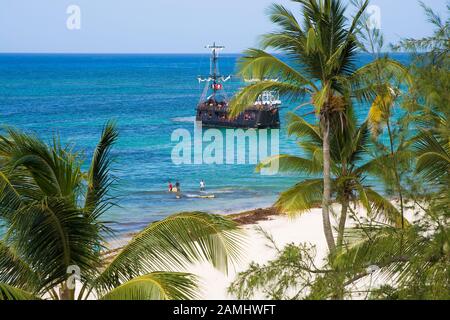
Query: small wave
[
  {"x": 224, "y": 191},
  {"x": 234, "y": 190},
  {"x": 183, "y": 119},
  {"x": 199, "y": 196},
  {"x": 143, "y": 193},
  {"x": 191, "y": 195}
]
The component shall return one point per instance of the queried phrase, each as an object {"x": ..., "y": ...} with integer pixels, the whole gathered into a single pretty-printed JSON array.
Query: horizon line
[{"x": 150, "y": 53}]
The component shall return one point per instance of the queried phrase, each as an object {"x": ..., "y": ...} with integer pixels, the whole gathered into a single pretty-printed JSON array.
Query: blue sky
[{"x": 169, "y": 26}]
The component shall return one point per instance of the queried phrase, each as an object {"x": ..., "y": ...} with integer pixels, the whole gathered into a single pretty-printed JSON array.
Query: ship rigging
[{"x": 213, "y": 108}]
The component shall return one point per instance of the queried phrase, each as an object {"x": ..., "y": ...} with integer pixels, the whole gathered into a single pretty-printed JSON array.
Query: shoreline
[
  {"x": 242, "y": 218},
  {"x": 283, "y": 229},
  {"x": 257, "y": 225}
]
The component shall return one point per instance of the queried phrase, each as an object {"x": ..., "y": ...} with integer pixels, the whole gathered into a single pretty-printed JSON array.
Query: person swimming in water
[{"x": 170, "y": 186}]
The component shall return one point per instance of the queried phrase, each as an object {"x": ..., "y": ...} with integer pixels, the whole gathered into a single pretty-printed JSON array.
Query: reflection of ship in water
[{"x": 213, "y": 109}]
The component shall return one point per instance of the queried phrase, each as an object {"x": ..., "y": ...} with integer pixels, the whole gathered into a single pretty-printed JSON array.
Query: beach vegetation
[
  {"x": 321, "y": 46},
  {"x": 56, "y": 236},
  {"x": 406, "y": 259}
]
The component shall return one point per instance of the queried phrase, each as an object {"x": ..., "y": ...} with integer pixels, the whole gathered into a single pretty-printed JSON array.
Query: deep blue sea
[{"x": 149, "y": 96}]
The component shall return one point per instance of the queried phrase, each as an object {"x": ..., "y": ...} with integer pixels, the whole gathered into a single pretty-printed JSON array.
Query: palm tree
[
  {"x": 53, "y": 214},
  {"x": 430, "y": 99},
  {"x": 412, "y": 262},
  {"x": 351, "y": 165},
  {"x": 321, "y": 52},
  {"x": 433, "y": 150},
  {"x": 415, "y": 262},
  {"x": 381, "y": 85}
]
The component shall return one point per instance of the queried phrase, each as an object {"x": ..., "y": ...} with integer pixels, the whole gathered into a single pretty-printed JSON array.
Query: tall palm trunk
[
  {"x": 327, "y": 185},
  {"x": 342, "y": 222},
  {"x": 339, "y": 294},
  {"x": 66, "y": 293}
]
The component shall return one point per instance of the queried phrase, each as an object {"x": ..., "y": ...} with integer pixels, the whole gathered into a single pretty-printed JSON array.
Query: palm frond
[
  {"x": 54, "y": 169},
  {"x": 288, "y": 163},
  {"x": 99, "y": 177},
  {"x": 433, "y": 156},
  {"x": 301, "y": 128},
  {"x": 393, "y": 250},
  {"x": 301, "y": 198},
  {"x": 284, "y": 18},
  {"x": 376, "y": 79},
  {"x": 381, "y": 209},
  {"x": 15, "y": 271},
  {"x": 288, "y": 42},
  {"x": 247, "y": 96},
  {"x": 174, "y": 243},
  {"x": 70, "y": 239},
  {"x": 385, "y": 68},
  {"x": 258, "y": 64},
  {"x": 10, "y": 293},
  {"x": 156, "y": 286},
  {"x": 10, "y": 199},
  {"x": 382, "y": 167}
]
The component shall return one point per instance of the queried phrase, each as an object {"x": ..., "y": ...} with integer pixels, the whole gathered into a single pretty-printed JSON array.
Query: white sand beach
[{"x": 305, "y": 228}]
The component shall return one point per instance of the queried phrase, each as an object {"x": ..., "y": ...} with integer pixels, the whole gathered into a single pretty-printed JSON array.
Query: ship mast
[
  {"x": 214, "y": 80},
  {"x": 214, "y": 68}
]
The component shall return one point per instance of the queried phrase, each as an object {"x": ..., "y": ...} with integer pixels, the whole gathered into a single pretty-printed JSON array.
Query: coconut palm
[
  {"x": 321, "y": 55},
  {"x": 53, "y": 215},
  {"x": 414, "y": 263},
  {"x": 431, "y": 99},
  {"x": 433, "y": 150},
  {"x": 351, "y": 164}
]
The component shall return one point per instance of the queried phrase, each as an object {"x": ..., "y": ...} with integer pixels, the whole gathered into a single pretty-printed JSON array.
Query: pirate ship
[{"x": 213, "y": 109}]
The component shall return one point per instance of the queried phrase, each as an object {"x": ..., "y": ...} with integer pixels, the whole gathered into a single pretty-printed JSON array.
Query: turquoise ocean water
[{"x": 149, "y": 96}]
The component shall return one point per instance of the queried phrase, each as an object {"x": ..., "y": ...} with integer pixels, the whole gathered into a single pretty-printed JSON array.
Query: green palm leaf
[
  {"x": 173, "y": 243},
  {"x": 393, "y": 250},
  {"x": 99, "y": 177},
  {"x": 382, "y": 166},
  {"x": 42, "y": 187},
  {"x": 248, "y": 95},
  {"x": 70, "y": 239},
  {"x": 301, "y": 128},
  {"x": 284, "y": 18},
  {"x": 156, "y": 286},
  {"x": 301, "y": 198},
  {"x": 10, "y": 293},
  {"x": 434, "y": 156},
  {"x": 386, "y": 68},
  {"x": 288, "y": 163},
  {"x": 381, "y": 209},
  {"x": 10, "y": 199},
  {"x": 54, "y": 169},
  {"x": 258, "y": 64},
  {"x": 15, "y": 271}
]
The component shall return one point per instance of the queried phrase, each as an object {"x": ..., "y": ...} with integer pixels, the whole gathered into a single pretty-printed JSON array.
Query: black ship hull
[{"x": 256, "y": 117}]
